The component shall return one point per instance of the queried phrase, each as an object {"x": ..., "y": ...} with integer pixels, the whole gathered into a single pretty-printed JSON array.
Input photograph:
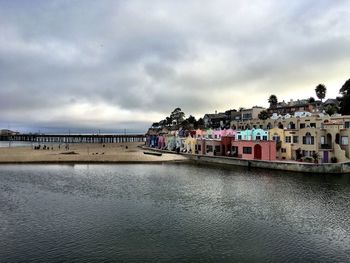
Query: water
[
  {"x": 171, "y": 213},
  {"x": 10, "y": 144}
]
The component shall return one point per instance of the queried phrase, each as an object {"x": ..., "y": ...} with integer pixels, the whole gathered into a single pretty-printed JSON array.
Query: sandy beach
[{"x": 84, "y": 153}]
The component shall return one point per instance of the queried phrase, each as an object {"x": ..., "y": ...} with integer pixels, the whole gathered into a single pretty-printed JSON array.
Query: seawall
[{"x": 324, "y": 168}]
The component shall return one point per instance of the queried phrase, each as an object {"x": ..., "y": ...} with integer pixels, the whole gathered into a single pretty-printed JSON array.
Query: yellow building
[{"x": 325, "y": 139}]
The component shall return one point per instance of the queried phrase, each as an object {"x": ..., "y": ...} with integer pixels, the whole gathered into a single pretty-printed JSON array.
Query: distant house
[
  {"x": 332, "y": 102},
  {"x": 251, "y": 114},
  {"x": 216, "y": 120},
  {"x": 292, "y": 106}
]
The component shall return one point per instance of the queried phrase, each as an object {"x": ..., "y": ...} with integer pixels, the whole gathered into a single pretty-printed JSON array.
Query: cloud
[{"x": 83, "y": 63}]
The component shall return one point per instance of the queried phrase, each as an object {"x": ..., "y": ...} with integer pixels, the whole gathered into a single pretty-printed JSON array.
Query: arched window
[
  {"x": 291, "y": 125},
  {"x": 280, "y": 125},
  {"x": 308, "y": 139},
  {"x": 258, "y": 136},
  {"x": 269, "y": 126}
]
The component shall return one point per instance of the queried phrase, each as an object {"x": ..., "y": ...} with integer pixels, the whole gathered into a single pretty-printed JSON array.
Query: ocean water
[
  {"x": 171, "y": 213},
  {"x": 10, "y": 144}
]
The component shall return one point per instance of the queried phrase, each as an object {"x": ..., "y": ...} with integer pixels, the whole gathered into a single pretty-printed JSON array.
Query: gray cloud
[{"x": 112, "y": 63}]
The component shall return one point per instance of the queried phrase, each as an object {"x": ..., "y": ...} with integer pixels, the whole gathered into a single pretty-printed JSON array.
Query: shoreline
[
  {"x": 85, "y": 153},
  {"x": 278, "y": 165}
]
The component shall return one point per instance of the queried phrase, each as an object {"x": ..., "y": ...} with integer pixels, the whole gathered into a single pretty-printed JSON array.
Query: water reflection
[{"x": 171, "y": 213}]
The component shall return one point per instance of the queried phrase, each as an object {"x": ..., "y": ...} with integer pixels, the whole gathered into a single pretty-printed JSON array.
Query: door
[
  {"x": 325, "y": 156},
  {"x": 257, "y": 152}
]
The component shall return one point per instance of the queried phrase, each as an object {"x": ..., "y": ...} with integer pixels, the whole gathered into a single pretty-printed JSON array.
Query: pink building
[
  {"x": 254, "y": 150},
  {"x": 161, "y": 141}
]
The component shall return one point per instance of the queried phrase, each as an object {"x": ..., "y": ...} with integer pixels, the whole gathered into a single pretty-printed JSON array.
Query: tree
[
  {"x": 168, "y": 121},
  {"x": 177, "y": 115},
  {"x": 162, "y": 123},
  {"x": 185, "y": 124},
  {"x": 155, "y": 124},
  {"x": 191, "y": 119},
  {"x": 345, "y": 99},
  {"x": 331, "y": 109},
  {"x": 311, "y": 100},
  {"x": 273, "y": 101},
  {"x": 200, "y": 123},
  {"x": 263, "y": 115},
  {"x": 345, "y": 89},
  {"x": 321, "y": 91}
]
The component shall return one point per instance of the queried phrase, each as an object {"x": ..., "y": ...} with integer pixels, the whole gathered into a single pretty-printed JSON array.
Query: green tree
[
  {"x": 191, "y": 119},
  {"x": 311, "y": 100},
  {"x": 321, "y": 91},
  {"x": 177, "y": 115},
  {"x": 345, "y": 89},
  {"x": 331, "y": 109},
  {"x": 168, "y": 121},
  {"x": 185, "y": 124},
  {"x": 200, "y": 123},
  {"x": 273, "y": 101},
  {"x": 345, "y": 99},
  {"x": 155, "y": 124},
  {"x": 263, "y": 115}
]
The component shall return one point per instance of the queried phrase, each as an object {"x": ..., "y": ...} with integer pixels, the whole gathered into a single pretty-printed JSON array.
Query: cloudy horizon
[{"x": 114, "y": 65}]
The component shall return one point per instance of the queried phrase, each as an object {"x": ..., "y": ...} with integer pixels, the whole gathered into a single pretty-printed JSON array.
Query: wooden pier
[{"x": 71, "y": 138}]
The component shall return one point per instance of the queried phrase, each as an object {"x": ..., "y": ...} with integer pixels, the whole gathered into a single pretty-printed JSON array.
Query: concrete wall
[{"x": 336, "y": 168}]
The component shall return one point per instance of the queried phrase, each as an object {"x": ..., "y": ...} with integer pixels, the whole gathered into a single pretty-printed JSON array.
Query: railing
[{"x": 326, "y": 146}]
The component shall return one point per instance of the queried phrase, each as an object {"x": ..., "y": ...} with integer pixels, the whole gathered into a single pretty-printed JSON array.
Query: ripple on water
[{"x": 170, "y": 213}]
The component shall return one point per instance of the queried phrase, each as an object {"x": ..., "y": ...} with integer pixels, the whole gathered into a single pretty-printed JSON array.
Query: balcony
[{"x": 325, "y": 146}]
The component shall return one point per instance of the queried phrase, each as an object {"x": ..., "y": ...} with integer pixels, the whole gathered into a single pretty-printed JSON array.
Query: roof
[
  {"x": 216, "y": 116},
  {"x": 331, "y": 102}
]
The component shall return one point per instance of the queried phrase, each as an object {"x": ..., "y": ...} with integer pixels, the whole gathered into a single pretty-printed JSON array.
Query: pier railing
[{"x": 71, "y": 138}]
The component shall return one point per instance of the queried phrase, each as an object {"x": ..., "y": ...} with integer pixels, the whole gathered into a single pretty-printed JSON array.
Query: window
[
  {"x": 308, "y": 139},
  {"x": 347, "y": 124},
  {"x": 313, "y": 125},
  {"x": 260, "y": 126},
  {"x": 344, "y": 140},
  {"x": 302, "y": 125},
  {"x": 323, "y": 139},
  {"x": 276, "y": 138},
  {"x": 291, "y": 126},
  {"x": 247, "y": 116},
  {"x": 283, "y": 150},
  {"x": 258, "y": 136},
  {"x": 247, "y": 150},
  {"x": 239, "y": 137},
  {"x": 288, "y": 139},
  {"x": 265, "y": 138},
  {"x": 295, "y": 139},
  {"x": 217, "y": 149},
  {"x": 209, "y": 148}
]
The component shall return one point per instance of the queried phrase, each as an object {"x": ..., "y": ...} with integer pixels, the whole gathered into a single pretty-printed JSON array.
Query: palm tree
[
  {"x": 321, "y": 91},
  {"x": 273, "y": 101}
]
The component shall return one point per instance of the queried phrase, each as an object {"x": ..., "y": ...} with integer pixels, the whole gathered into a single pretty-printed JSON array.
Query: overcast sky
[{"x": 125, "y": 64}]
